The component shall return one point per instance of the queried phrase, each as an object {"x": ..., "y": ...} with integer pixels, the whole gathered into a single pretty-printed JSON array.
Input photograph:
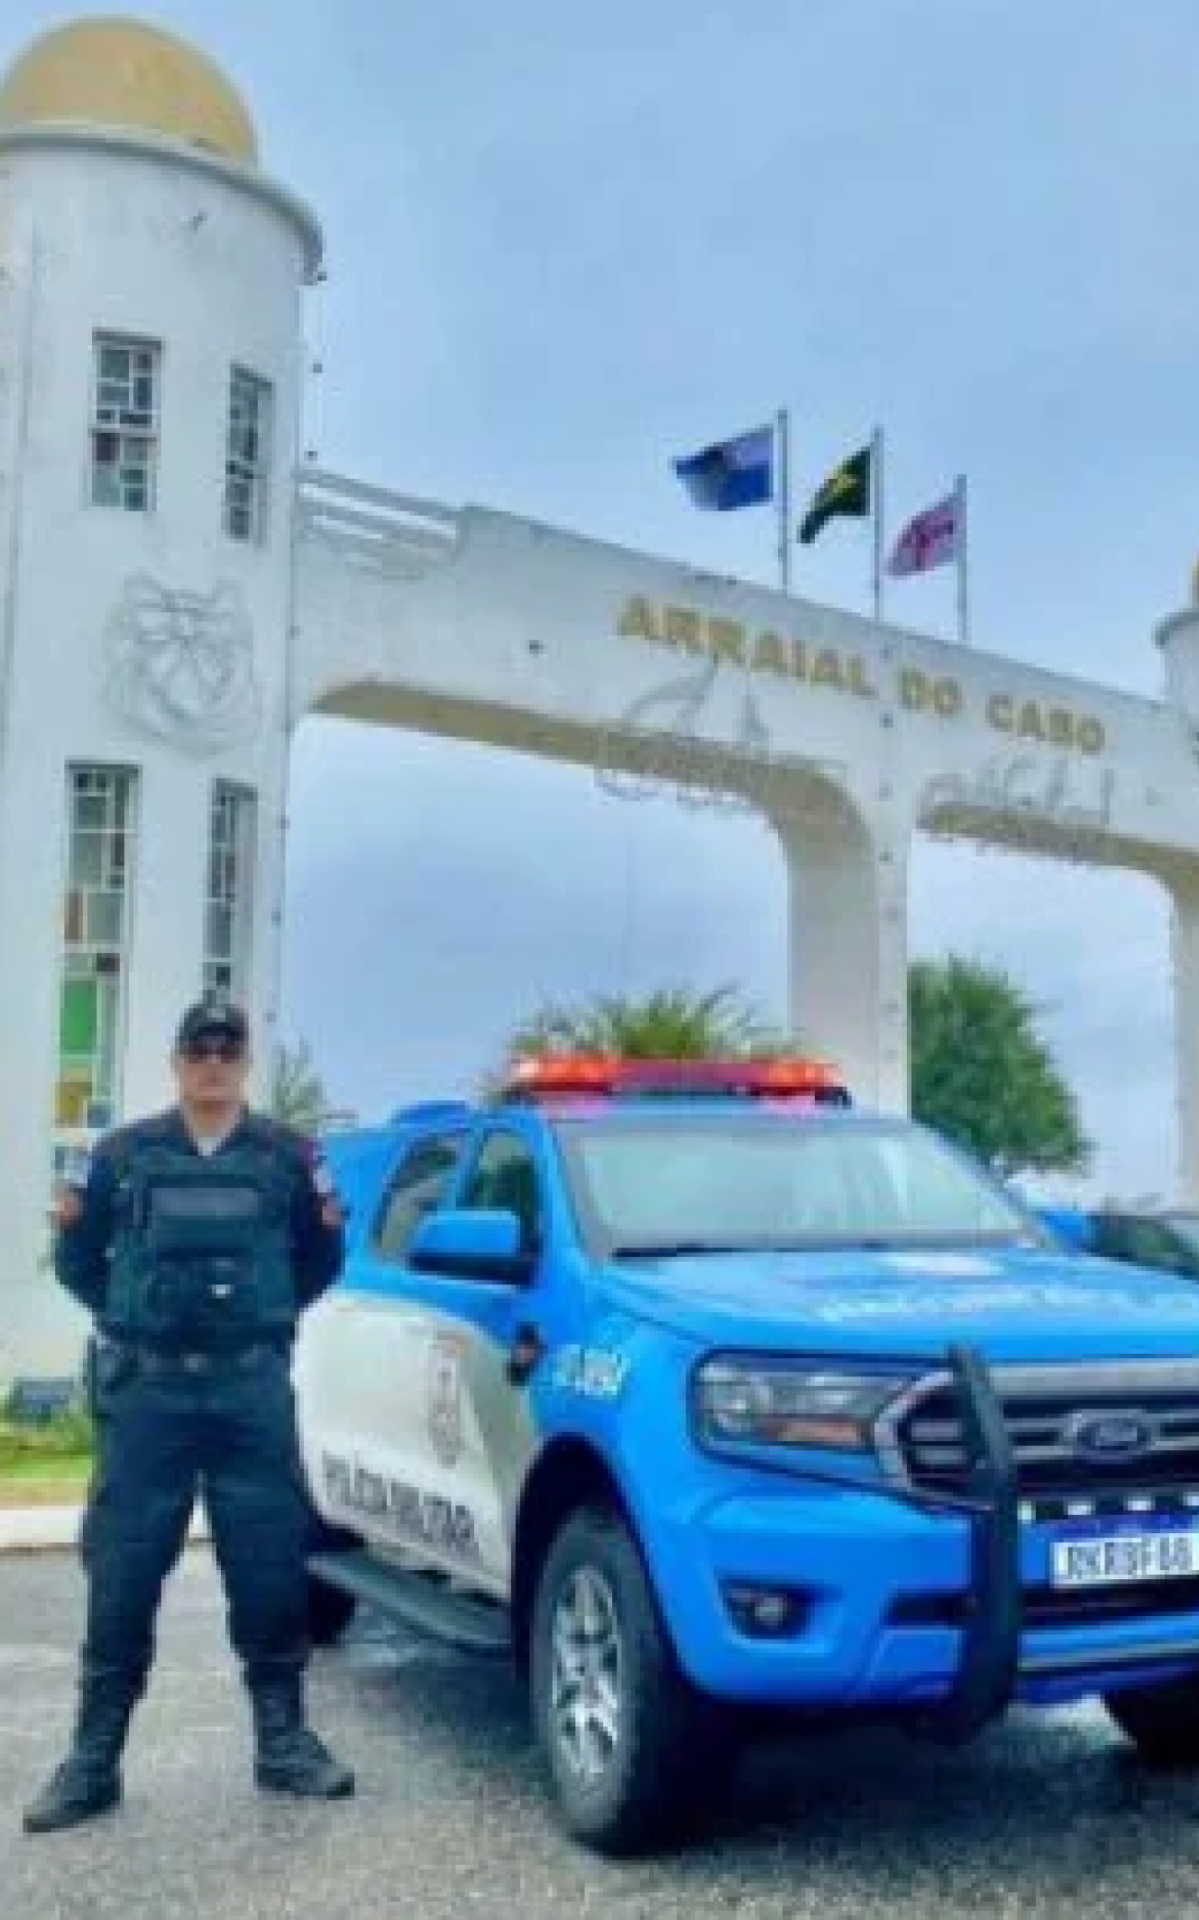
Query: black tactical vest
[{"x": 201, "y": 1255}]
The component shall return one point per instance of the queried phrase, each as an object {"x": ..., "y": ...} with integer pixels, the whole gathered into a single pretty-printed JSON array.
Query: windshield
[{"x": 696, "y": 1183}]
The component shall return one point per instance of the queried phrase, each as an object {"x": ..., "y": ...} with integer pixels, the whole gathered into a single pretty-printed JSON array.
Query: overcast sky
[{"x": 567, "y": 242}]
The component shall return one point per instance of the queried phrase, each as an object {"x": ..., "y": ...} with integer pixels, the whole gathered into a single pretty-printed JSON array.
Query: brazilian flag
[{"x": 845, "y": 492}]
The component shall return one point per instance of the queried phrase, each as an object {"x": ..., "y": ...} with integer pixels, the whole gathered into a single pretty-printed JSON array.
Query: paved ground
[
  {"x": 48, "y": 1526},
  {"x": 1044, "y": 1818}
]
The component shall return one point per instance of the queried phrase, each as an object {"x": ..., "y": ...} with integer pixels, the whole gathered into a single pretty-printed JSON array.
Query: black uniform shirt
[{"x": 83, "y": 1243}]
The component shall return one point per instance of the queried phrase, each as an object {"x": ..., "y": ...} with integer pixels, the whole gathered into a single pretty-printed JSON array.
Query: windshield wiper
[{"x": 669, "y": 1249}]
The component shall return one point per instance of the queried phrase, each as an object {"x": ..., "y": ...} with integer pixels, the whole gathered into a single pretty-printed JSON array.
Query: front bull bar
[{"x": 989, "y": 1669}]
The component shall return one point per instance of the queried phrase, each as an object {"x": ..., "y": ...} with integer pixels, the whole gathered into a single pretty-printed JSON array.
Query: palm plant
[{"x": 672, "y": 1023}]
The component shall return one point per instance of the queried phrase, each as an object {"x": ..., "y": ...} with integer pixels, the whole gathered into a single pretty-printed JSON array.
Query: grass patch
[
  {"x": 45, "y": 1483},
  {"x": 31, "y": 1471}
]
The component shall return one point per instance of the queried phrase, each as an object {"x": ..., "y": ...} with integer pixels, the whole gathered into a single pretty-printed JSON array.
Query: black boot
[
  {"x": 88, "y": 1783},
  {"x": 289, "y": 1758}
]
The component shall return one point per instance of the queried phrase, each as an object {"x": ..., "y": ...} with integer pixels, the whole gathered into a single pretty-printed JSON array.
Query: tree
[
  {"x": 298, "y": 1096},
  {"x": 673, "y": 1023},
  {"x": 981, "y": 1074}
]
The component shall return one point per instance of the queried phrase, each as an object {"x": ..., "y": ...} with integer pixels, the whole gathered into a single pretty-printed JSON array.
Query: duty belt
[{"x": 200, "y": 1360}]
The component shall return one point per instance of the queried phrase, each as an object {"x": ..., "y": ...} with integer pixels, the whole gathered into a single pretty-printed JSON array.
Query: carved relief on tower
[{"x": 180, "y": 665}]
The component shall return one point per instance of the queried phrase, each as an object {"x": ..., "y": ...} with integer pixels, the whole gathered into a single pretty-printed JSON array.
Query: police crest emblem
[{"x": 445, "y": 1398}]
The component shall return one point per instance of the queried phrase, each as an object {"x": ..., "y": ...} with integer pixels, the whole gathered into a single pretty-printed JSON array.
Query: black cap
[{"x": 214, "y": 1018}]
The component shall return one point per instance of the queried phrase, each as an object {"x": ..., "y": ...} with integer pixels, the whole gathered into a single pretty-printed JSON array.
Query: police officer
[{"x": 196, "y": 1240}]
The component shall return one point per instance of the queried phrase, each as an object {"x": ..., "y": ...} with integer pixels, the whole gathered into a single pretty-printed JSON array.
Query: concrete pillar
[
  {"x": 1184, "y": 933},
  {"x": 847, "y": 965}
]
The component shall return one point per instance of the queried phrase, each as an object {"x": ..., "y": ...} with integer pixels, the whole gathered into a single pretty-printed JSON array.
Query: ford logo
[{"x": 1111, "y": 1436}]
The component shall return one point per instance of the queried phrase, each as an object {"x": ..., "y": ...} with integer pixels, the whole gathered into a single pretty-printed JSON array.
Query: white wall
[{"x": 101, "y": 237}]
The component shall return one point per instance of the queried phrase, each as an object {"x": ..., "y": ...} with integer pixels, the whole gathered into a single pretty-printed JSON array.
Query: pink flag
[{"x": 929, "y": 540}]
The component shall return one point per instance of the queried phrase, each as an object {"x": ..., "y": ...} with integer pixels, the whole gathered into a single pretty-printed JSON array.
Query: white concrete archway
[{"x": 851, "y": 739}]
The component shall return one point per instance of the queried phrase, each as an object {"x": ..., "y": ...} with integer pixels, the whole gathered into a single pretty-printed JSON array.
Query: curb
[{"x": 28, "y": 1531}]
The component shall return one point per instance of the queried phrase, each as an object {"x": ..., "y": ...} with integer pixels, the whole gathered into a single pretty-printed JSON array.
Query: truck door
[
  {"x": 478, "y": 1438},
  {"x": 362, "y": 1380}
]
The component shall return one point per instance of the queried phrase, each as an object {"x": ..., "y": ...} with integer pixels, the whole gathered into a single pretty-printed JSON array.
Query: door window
[
  {"x": 417, "y": 1188},
  {"x": 505, "y": 1176}
]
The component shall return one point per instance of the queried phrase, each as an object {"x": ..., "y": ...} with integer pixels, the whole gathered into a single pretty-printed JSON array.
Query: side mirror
[{"x": 470, "y": 1243}]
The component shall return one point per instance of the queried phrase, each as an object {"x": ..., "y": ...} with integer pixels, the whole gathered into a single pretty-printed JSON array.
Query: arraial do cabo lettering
[
  {"x": 719, "y": 640},
  {"x": 733, "y": 643}
]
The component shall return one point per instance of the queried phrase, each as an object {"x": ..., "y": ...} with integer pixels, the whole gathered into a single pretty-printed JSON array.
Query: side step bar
[{"x": 420, "y": 1602}]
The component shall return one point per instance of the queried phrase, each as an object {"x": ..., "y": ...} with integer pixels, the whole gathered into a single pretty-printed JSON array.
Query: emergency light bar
[{"x": 609, "y": 1074}]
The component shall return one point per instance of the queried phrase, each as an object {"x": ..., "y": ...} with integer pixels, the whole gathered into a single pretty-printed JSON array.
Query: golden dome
[{"x": 121, "y": 73}]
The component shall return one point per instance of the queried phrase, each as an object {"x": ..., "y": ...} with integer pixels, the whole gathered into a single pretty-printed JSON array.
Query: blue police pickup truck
[{"x": 713, "y": 1402}]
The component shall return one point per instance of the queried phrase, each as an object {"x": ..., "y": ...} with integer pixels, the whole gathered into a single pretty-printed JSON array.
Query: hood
[{"x": 1010, "y": 1303}]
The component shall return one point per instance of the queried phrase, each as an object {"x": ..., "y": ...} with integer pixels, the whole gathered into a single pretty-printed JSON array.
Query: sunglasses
[{"x": 227, "y": 1051}]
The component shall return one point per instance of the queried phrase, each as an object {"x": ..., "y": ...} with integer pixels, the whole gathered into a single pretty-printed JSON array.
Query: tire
[
  {"x": 330, "y": 1611},
  {"x": 1162, "y": 1723},
  {"x": 666, "y": 1753}
]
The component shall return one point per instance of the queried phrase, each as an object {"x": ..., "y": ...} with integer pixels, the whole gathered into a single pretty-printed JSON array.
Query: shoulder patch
[
  {"x": 323, "y": 1184},
  {"x": 319, "y": 1171},
  {"x": 322, "y": 1180},
  {"x": 67, "y": 1210}
]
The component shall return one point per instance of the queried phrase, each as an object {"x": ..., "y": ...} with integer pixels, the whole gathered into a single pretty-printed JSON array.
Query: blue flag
[{"x": 735, "y": 473}]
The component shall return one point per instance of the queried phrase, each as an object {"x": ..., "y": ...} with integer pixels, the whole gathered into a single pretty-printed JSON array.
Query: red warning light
[{"x": 610, "y": 1075}]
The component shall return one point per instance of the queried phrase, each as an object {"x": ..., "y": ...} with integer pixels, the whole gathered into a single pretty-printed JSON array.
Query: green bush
[{"x": 66, "y": 1437}]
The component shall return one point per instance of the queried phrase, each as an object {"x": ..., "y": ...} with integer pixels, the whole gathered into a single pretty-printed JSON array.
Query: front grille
[
  {"x": 925, "y": 1443},
  {"x": 1051, "y": 1607}
]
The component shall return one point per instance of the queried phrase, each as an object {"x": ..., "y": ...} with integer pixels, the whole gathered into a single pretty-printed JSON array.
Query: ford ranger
[{"x": 710, "y": 1400}]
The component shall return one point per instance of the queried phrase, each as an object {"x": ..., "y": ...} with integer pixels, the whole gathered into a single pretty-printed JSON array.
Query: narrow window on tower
[
  {"x": 228, "y": 901},
  {"x": 101, "y": 806},
  {"x": 126, "y": 382},
  {"x": 247, "y": 455}
]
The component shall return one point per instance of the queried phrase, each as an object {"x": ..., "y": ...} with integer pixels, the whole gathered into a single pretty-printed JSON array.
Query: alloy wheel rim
[{"x": 587, "y": 1670}]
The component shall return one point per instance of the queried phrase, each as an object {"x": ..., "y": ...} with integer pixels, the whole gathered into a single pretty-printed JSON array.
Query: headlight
[{"x": 766, "y": 1404}]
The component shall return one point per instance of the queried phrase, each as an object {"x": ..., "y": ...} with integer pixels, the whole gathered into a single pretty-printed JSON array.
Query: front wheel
[
  {"x": 632, "y": 1750},
  {"x": 1162, "y": 1722}
]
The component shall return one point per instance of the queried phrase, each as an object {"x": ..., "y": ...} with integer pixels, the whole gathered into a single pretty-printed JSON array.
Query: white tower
[{"x": 151, "y": 370}]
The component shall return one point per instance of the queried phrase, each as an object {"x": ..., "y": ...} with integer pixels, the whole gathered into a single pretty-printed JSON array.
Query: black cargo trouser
[{"x": 165, "y": 1434}]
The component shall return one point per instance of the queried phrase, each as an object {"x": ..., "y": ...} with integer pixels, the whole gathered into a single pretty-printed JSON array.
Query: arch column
[
  {"x": 1184, "y": 938},
  {"x": 848, "y": 949}
]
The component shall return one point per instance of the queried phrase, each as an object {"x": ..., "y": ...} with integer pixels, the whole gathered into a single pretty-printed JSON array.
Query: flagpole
[
  {"x": 963, "y": 579},
  {"x": 876, "y": 476},
  {"x": 784, "y": 498}
]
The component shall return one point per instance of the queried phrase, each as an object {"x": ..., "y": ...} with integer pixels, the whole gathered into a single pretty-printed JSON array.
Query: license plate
[{"x": 1117, "y": 1559}]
